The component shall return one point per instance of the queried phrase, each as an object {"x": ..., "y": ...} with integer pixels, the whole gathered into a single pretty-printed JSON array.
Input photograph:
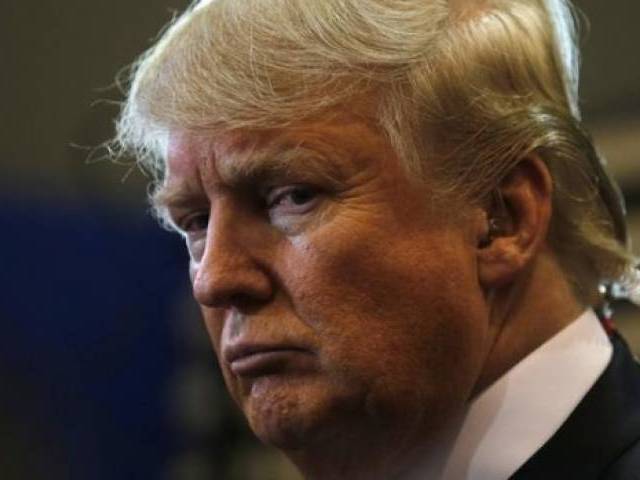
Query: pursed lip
[{"x": 253, "y": 360}]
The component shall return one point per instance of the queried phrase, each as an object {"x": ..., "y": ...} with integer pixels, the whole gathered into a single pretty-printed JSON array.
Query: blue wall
[{"x": 86, "y": 349}]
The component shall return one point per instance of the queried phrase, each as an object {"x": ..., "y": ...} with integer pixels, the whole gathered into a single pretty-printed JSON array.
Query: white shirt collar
[{"x": 508, "y": 422}]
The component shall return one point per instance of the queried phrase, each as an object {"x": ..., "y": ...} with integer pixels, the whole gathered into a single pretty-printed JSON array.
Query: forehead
[
  {"x": 344, "y": 143},
  {"x": 188, "y": 151}
]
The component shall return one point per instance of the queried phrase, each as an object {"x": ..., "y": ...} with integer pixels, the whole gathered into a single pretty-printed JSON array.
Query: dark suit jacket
[{"x": 601, "y": 438}]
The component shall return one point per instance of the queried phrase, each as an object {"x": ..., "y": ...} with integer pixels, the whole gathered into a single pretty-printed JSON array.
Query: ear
[{"x": 516, "y": 224}]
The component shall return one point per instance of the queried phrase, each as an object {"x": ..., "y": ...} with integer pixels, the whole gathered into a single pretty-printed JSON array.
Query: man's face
[{"x": 338, "y": 303}]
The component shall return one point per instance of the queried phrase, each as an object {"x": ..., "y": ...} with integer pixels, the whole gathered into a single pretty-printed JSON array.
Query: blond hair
[{"x": 473, "y": 86}]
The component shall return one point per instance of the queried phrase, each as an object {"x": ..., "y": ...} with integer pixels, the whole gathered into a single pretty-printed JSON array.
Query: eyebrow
[
  {"x": 273, "y": 162},
  {"x": 174, "y": 195},
  {"x": 168, "y": 197},
  {"x": 249, "y": 166}
]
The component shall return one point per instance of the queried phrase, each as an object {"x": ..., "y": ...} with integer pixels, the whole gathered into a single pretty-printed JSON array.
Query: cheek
[
  {"x": 380, "y": 277},
  {"x": 397, "y": 307},
  {"x": 213, "y": 321},
  {"x": 213, "y": 324}
]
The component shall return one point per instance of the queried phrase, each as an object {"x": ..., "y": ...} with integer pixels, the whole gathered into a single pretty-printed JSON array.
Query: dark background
[{"x": 105, "y": 372}]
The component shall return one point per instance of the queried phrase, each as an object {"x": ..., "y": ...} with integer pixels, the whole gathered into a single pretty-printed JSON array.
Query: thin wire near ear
[
  {"x": 498, "y": 214},
  {"x": 496, "y": 217}
]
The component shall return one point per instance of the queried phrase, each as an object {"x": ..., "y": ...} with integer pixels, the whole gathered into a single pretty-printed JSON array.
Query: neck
[
  {"x": 386, "y": 453},
  {"x": 526, "y": 314}
]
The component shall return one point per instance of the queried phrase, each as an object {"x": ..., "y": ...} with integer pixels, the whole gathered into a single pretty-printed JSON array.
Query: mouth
[{"x": 251, "y": 361}]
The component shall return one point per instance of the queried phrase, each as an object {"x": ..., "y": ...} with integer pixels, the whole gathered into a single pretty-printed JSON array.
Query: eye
[
  {"x": 292, "y": 199},
  {"x": 194, "y": 223}
]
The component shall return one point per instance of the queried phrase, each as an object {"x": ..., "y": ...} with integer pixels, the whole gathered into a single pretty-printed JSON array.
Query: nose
[{"x": 232, "y": 272}]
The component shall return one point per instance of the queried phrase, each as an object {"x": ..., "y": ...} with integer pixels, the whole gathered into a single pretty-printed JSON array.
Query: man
[{"x": 397, "y": 229}]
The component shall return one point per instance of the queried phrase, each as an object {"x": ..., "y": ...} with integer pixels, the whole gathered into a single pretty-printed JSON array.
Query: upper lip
[{"x": 235, "y": 352}]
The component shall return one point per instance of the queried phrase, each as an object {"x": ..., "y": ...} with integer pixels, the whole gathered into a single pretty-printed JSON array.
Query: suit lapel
[{"x": 602, "y": 427}]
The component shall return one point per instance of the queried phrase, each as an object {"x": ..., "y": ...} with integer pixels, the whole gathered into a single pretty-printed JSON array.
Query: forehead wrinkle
[
  {"x": 271, "y": 161},
  {"x": 184, "y": 167}
]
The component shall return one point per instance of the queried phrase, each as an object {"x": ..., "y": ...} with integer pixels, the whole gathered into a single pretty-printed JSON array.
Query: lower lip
[{"x": 271, "y": 362}]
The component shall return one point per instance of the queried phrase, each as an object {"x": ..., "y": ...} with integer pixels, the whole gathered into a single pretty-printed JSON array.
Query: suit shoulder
[{"x": 627, "y": 466}]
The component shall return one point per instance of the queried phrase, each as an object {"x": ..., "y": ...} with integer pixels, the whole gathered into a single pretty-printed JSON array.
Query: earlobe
[{"x": 517, "y": 222}]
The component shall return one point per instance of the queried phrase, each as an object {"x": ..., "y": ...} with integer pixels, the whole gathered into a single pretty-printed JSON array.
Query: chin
[{"x": 296, "y": 413}]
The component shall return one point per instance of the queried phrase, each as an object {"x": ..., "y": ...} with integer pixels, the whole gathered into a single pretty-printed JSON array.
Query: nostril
[
  {"x": 244, "y": 290},
  {"x": 243, "y": 302}
]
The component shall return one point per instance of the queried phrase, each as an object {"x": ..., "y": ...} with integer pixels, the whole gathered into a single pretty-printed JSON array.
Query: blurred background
[{"x": 105, "y": 369}]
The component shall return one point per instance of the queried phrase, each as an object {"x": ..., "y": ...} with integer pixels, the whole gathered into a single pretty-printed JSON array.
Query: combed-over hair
[{"x": 467, "y": 87}]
